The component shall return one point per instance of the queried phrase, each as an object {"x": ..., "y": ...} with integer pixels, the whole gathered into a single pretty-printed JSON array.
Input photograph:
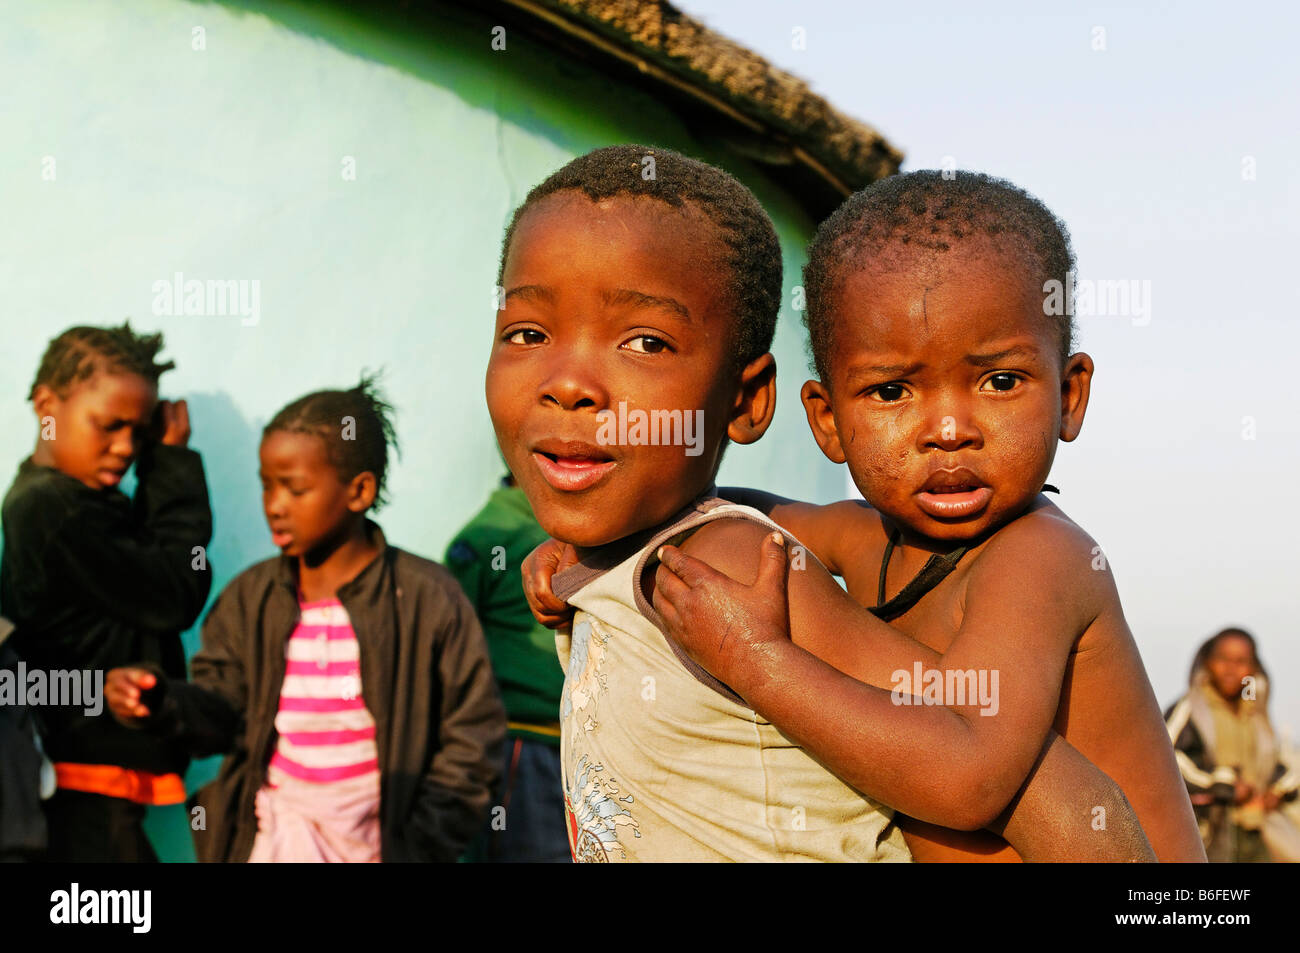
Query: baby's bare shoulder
[{"x": 1046, "y": 549}]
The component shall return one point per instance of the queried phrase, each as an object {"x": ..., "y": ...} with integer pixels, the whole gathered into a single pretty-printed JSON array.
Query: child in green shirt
[{"x": 485, "y": 557}]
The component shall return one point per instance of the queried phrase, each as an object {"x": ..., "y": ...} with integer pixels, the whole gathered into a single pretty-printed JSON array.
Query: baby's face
[
  {"x": 947, "y": 391},
  {"x": 608, "y": 303}
]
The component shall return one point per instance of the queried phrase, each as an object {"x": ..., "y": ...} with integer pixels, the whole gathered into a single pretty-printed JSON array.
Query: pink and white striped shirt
[{"x": 321, "y": 798}]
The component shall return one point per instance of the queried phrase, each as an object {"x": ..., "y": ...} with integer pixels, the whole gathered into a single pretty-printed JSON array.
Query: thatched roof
[{"x": 767, "y": 114}]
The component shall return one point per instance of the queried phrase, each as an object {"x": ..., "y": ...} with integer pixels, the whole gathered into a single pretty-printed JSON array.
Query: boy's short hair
[
  {"x": 323, "y": 414},
  {"x": 928, "y": 213},
  {"x": 755, "y": 259},
  {"x": 77, "y": 353}
]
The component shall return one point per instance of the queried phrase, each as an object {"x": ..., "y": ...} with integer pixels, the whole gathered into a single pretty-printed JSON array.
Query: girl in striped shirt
[{"x": 348, "y": 680}]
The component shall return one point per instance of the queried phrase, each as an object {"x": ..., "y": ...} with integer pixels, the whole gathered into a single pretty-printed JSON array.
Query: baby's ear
[
  {"x": 816, "y": 398},
  {"x": 756, "y": 401},
  {"x": 1076, "y": 385}
]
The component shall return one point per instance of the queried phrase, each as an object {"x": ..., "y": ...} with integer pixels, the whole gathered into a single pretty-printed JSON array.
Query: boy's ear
[
  {"x": 1076, "y": 384},
  {"x": 756, "y": 403},
  {"x": 44, "y": 400},
  {"x": 816, "y": 398},
  {"x": 362, "y": 491}
]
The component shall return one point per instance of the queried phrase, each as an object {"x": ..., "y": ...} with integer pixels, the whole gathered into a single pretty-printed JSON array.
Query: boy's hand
[
  {"x": 124, "y": 689},
  {"x": 172, "y": 423},
  {"x": 717, "y": 620},
  {"x": 538, "y": 567}
]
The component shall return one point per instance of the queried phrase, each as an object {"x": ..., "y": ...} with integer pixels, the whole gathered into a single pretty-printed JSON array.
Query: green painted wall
[{"x": 127, "y": 156}]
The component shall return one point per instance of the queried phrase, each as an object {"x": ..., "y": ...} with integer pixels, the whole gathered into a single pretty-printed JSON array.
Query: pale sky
[{"x": 1142, "y": 130}]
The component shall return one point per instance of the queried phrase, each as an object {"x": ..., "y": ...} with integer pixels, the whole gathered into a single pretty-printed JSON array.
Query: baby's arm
[
  {"x": 949, "y": 766},
  {"x": 1043, "y": 821}
]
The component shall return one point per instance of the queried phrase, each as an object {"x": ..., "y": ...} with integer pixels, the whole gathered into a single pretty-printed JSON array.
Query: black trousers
[{"x": 94, "y": 829}]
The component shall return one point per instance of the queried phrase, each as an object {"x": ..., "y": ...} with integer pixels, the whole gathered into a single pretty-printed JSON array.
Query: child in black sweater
[{"x": 94, "y": 579}]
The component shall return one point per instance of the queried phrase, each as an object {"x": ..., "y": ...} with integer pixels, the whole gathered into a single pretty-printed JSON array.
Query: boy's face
[
  {"x": 307, "y": 504},
  {"x": 99, "y": 426},
  {"x": 617, "y": 301},
  {"x": 947, "y": 394}
]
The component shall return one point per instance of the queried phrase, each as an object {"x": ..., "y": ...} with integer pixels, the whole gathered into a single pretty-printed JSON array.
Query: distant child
[
  {"x": 946, "y": 379},
  {"x": 93, "y": 579},
  {"x": 1230, "y": 757},
  {"x": 346, "y": 680},
  {"x": 653, "y": 300},
  {"x": 485, "y": 557}
]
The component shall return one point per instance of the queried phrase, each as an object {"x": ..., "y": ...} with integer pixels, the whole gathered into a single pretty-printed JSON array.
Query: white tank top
[{"x": 661, "y": 762}]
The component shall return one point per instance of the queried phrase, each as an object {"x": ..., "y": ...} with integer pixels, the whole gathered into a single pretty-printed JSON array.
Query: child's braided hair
[
  {"x": 356, "y": 425},
  {"x": 77, "y": 353}
]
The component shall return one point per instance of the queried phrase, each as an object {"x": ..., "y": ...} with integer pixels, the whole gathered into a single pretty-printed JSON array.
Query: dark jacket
[
  {"x": 94, "y": 579},
  {"x": 22, "y": 822},
  {"x": 425, "y": 678}
]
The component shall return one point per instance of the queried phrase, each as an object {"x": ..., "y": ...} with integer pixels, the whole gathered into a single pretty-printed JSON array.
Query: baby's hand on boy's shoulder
[
  {"x": 171, "y": 423},
  {"x": 719, "y": 620},
  {"x": 128, "y": 692},
  {"x": 538, "y": 567}
]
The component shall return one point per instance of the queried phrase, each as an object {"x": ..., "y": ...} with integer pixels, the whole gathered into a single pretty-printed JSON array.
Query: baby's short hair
[
  {"x": 755, "y": 252},
  {"x": 361, "y": 412},
  {"x": 77, "y": 353},
  {"x": 928, "y": 213}
]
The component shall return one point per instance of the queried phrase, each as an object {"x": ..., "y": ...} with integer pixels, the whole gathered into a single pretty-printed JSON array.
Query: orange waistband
[{"x": 115, "y": 781}]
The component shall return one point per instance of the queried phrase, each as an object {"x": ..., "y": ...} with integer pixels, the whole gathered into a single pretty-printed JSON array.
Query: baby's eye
[
  {"x": 526, "y": 336},
  {"x": 648, "y": 344},
  {"x": 889, "y": 393},
  {"x": 1004, "y": 381}
]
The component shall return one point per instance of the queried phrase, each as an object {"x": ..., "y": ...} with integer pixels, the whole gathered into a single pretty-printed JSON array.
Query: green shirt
[{"x": 485, "y": 557}]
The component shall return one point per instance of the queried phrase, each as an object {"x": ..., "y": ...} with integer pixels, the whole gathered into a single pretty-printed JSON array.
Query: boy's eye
[
  {"x": 647, "y": 344},
  {"x": 526, "y": 336},
  {"x": 1004, "y": 381},
  {"x": 888, "y": 393}
]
